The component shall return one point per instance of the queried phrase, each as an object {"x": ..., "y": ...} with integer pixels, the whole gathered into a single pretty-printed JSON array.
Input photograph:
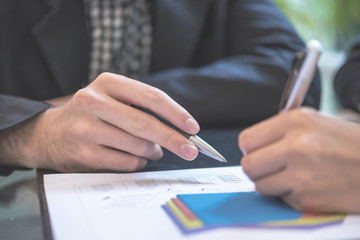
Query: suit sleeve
[
  {"x": 347, "y": 80},
  {"x": 245, "y": 85},
  {"x": 14, "y": 110}
]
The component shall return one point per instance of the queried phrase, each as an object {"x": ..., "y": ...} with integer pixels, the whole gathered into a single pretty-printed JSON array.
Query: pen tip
[
  {"x": 220, "y": 158},
  {"x": 206, "y": 149}
]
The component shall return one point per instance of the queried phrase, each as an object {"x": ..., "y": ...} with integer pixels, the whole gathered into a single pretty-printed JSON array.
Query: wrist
[{"x": 17, "y": 144}]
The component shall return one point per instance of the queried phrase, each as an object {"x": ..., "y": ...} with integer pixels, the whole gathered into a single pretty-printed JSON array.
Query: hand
[
  {"x": 98, "y": 129},
  {"x": 310, "y": 160},
  {"x": 57, "y": 102}
]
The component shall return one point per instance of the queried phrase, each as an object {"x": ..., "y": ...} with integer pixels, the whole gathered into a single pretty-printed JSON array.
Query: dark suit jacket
[
  {"x": 226, "y": 61},
  {"x": 347, "y": 79}
]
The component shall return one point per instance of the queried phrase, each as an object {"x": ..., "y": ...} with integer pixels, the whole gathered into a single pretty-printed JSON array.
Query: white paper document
[{"x": 128, "y": 206}]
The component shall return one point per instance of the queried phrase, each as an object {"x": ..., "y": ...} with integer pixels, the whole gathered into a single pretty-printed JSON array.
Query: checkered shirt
[{"x": 121, "y": 36}]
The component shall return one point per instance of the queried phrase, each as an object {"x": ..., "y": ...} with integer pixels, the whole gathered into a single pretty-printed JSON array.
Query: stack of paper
[{"x": 198, "y": 212}]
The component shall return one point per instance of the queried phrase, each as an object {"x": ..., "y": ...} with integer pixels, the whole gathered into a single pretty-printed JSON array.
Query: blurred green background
[{"x": 336, "y": 24}]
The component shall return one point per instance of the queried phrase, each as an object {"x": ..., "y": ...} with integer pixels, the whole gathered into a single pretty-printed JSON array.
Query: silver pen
[
  {"x": 203, "y": 146},
  {"x": 300, "y": 77}
]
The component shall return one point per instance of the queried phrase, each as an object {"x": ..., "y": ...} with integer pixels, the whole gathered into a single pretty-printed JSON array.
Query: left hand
[{"x": 310, "y": 160}]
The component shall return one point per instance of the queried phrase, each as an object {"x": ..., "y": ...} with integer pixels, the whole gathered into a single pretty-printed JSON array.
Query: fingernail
[
  {"x": 192, "y": 125},
  {"x": 189, "y": 151}
]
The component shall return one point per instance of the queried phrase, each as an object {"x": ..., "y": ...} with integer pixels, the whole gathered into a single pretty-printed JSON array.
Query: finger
[
  {"x": 145, "y": 126},
  {"x": 265, "y": 161},
  {"x": 274, "y": 185},
  {"x": 112, "y": 159},
  {"x": 143, "y": 95},
  {"x": 294, "y": 201},
  {"x": 262, "y": 134},
  {"x": 111, "y": 136}
]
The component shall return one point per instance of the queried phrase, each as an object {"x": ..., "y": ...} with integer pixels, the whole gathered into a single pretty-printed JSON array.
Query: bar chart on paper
[
  {"x": 192, "y": 204},
  {"x": 199, "y": 212}
]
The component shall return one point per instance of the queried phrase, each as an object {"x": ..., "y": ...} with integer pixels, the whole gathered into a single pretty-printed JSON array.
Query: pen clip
[
  {"x": 294, "y": 73},
  {"x": 300, "y": 77}
]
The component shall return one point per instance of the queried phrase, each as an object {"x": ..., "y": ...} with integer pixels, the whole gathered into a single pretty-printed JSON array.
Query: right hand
[
  {"x": 97, "y": 129},
  {"x": 310, "y": 160}
]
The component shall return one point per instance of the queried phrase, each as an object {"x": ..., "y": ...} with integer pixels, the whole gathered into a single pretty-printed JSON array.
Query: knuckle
[
  {"x": 145, "y": 148},
  {"x": 85, "y": 97},
  {"x": 141, "y": 122},
  {"x": 294, "y": 119},
  {"x": 106, "y": 80},
  {"x": 171, "y": 140},
  {"x": 155, "y": 95},
  {"x": 104, "y": 76},
  {"x": 303, "y": 142},
  {"x": 133, "y": 164},
  {"x": 298, "y": 149},
  {"x": 81, "y": 95},
  {"x": 301, "y": 118}
]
